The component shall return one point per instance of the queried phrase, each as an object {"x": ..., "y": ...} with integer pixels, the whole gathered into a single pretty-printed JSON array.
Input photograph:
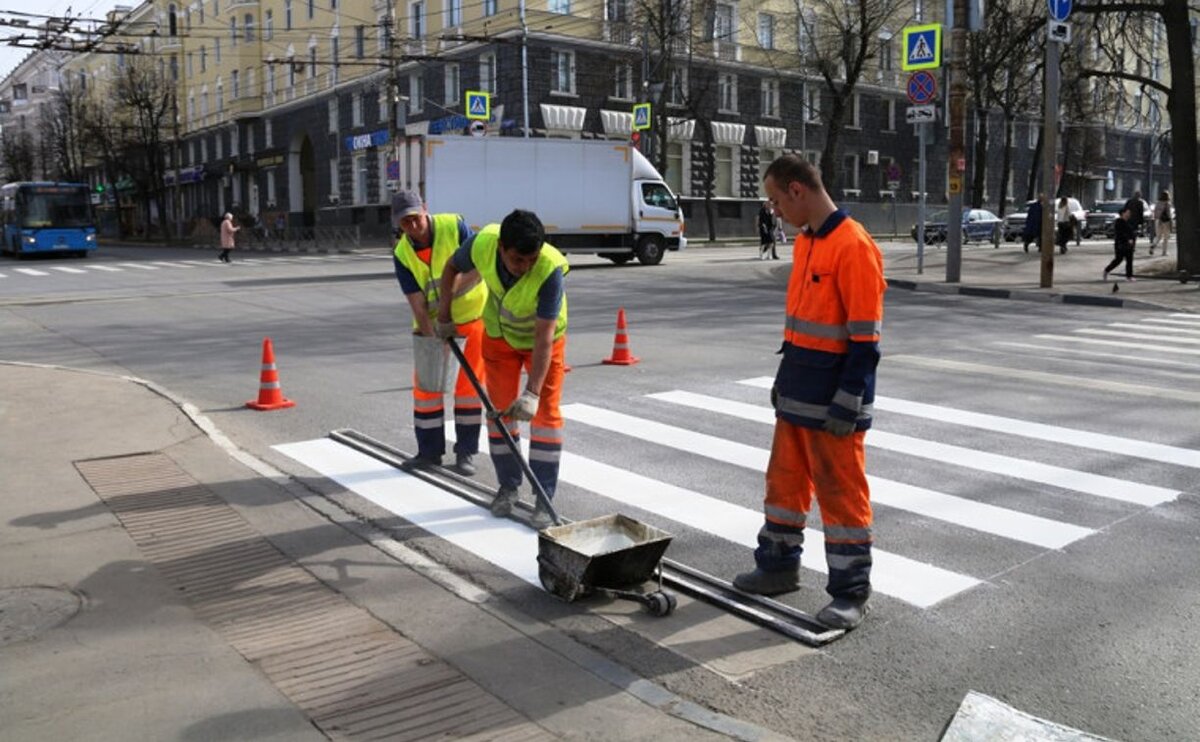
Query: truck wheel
[
  {"x": 620, "y": 259},
  {"x": 649, "y": 250}
]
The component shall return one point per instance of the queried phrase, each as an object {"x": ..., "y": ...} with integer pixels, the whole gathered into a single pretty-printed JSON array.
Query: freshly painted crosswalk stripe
[
  {"x": 1040, "y": 431},
  {"x": 1173, "y": 322},
  {"x": 1107, "y": 355},
  {"x": 977, "y": 516},
  {"x": 1137, "y": 335},
  {"x": 503, "y": 542},
  {"x": 170, "y": 264},
  {"x": 139, "y": 266},
  {"x": 105, "y": 268},
  {"x": 1009, "y": 466},
  {"x": 31, "y": 271},
  {"x": 914, "y": 582},
  {"x": 1121, "y": 344},
  {"x": 1157, "y": 328},
  {"x": 65, "y": 269}
]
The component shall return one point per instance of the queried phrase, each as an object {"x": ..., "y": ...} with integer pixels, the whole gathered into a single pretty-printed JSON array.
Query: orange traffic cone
[
  {"x": 620, "y": 354},
  {"x": 270, "y": 396}
]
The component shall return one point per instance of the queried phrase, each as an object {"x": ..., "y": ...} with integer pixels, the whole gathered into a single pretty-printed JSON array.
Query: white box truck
[{"x": 594, "y": 196}]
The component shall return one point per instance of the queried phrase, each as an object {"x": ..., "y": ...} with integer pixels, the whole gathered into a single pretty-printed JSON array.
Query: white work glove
[
  {"x": 840, "y": 428},
  {"x": 523, "y": 407},
  {"x": 446, "y": 330}
]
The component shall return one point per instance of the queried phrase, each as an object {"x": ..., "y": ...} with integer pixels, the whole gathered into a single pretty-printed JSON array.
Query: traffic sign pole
[{"x": 1049, "y": 160}]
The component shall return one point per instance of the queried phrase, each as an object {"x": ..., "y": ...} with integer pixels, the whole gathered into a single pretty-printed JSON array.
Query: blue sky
[{"x": 11, "y": 56}]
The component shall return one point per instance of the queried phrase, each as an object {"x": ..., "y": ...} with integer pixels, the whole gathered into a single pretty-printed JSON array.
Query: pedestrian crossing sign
[
  {"x": 641, "y": 116},
  {"x": 922, "y": 48},
  {"x": 479, "y": 105}
]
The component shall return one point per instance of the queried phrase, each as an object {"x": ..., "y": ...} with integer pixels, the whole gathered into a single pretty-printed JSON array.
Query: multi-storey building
[
  {"x": 26, "y": 99},
  {"x": 285, "y": 107}
]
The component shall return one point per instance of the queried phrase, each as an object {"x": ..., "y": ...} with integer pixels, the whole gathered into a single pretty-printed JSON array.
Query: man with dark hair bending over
[
  {"x": 823, "y": 393},
  {"x": 525, "y": 326}
]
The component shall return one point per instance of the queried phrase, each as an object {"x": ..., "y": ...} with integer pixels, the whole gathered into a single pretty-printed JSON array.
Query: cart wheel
[{"x": 660, "y": 603}]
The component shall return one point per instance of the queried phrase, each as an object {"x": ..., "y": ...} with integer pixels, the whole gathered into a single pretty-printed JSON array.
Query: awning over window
[
  {"x": 728, "y": 134},
  {"x": 680, "y": 130},
  {"x": 563, "y": 118},
  {"x": 771, "y": 137},
  {"x": 617, "y": 123}
]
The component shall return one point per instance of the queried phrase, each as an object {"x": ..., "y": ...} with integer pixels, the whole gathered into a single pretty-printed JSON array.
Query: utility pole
[
  {"x": 524, "y": 70},
  {"x": 177, "y": 162},
  {"x": 393, "y": 91},
  {"x": 957, "y": 162},
  {"x": 1049, "y": 160}
]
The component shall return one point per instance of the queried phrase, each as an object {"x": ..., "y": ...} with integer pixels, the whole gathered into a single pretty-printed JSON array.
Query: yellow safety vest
[
  {"x": 470, "y": 299},
  {"x": 512, "y": 313}
]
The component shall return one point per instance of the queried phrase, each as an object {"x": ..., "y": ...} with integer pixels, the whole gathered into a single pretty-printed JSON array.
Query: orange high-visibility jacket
[{"x": 831, "y": 335}]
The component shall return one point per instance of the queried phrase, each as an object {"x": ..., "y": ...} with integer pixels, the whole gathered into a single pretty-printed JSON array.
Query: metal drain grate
[{"x": 353, "y": 675}]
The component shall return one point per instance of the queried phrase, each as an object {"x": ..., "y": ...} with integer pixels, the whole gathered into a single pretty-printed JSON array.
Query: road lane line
[
  {"x": 1108, "y": 356},
  {"x": 1012, "y": 426},
  {"x": 31, "y": 271},
  {"x": 139, "y": 266},
  {"x": 1121, "y": 344},
  {"x": 1157, "y": 328},
  {"x": 65, "y": 269},
  {"x": 1009, "y": 466},
  {"x": 503, "y": 542},
  {"x": 1137, "y": 335},
  {"x": 917, "y": 583},
  {"x": 106, "y": 268},
  {"x": 959, "y": 511},
  {"x": 170, "y": 264}
]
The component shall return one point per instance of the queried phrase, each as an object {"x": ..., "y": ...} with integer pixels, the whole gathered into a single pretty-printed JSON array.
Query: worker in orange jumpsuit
[{"x": 822, "y": 395}]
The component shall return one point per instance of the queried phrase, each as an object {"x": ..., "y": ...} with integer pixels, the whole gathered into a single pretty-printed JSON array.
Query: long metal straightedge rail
[{"x": 770, "y": 614}]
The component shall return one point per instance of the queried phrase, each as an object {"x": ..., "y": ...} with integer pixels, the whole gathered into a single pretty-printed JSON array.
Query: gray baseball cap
[{"x": 405, "y": 203}]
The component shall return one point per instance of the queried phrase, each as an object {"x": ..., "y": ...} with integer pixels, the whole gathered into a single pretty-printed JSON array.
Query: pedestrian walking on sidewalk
[
  {"x": 1162, "y": 222},
  {"x": 766, "y": 232},
  {"x": 1033, "y": 223},
  {"x": 1137, "y": 214},
  {"x": 228, "y": 232},
  {"x": 1123, "y": 244},
  {"x": 1063, "y": 222},
  {"x": 525, "y": 328},
  {"x": 426, "y": 244},
  {"x": 823, "y": 393}
]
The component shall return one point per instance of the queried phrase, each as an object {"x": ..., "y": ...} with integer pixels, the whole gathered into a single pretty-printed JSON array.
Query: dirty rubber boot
[
  {"x": 424, "y": 461},
  {"x": 464, "y": 464},
  {"x": 502, "y": 506},
  {"x": 759, "y": 582},
  {"x": 844, "y": 613},
  {"x": 541, "y": 517}
]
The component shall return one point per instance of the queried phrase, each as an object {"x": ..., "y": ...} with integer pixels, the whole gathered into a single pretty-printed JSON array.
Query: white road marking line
[
  {"x": 65, "y": 269},
  {"x": 201, "y": 263},
  {"x": 1137, "y": 335},
  {"x": 503, "y": 542},
  {"x": 914, "y": 582},
  {"x": 977, "y": 516},
  {"x": 31, "y": 271},
  {"x": 1010, "y": 466},
  {"x": 1121, "y": 344},
  {"x": 1191, "y": 318},
  {"x": 106, "y": 268},
  {"x": 170, "y": 264},
  {"x": 1156, "y": 328},
  {"x": 139, "y": 266},
  {"x": 3, "y": 276},
  {"x": 1107, "y": 355},
  {"x": 252, "y": 261},
  {"x": 1012, "y": 426},
  {"x": 1168, "y": 321}
]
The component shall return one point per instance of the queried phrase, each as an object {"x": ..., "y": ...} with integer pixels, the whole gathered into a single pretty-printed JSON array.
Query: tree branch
[
  {"x": 1123, "y": 7},
  {"x": 1114, "y": 74}
]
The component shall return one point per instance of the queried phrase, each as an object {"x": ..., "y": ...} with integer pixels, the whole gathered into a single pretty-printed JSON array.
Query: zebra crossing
[
  {"x": 1097, "y": 500},
  {"x": 96, "y": 266}
]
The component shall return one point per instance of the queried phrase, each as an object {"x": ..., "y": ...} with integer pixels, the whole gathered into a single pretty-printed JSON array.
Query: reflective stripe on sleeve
[
  {"x": 848, "y": 535},
  {"x": 784, "y": 516}
]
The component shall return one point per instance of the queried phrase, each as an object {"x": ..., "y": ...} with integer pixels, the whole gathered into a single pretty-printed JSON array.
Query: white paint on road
[
  {"x": 31, "y": 271},
  {"x": 503, "y": 542},
  {"x": 1009, "y": 466},
  {"x": 1107, "y": 355},
  {"x": 1120, "y": 344},
  {"x": 139, "y": 266},
  {"x": 1012, "y": 426},
  {"x": 105, "y": 268},
  {"x": 66, "y": 269},
  {"x": 1157, "y": 328},
  {"x": 1137, "y": 336}
]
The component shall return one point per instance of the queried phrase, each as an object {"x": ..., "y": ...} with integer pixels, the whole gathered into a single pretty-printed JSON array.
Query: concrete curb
[{"x": 1022, "y": 295}]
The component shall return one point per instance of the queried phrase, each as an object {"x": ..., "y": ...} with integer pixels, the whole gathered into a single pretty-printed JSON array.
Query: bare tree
[
  {"x": 63, "y": 131},
  {"x": 146, "y": 99},
  {"x": 839, "y": 39},
  {"x": 1127, "y": 38},
  {"x": 19, "y": 153}
]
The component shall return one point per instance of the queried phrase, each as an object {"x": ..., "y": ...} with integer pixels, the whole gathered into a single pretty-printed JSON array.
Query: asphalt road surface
[{"x": 1035, "y": 467}]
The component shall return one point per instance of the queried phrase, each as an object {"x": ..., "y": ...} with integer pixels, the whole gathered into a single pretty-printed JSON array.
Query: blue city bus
[{"x": 46, "y": 218}]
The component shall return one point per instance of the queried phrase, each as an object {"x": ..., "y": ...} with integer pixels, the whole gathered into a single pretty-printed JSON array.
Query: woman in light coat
[
  {"x": 1162, "y": 222},
  {"x": 228, "y": 230}
]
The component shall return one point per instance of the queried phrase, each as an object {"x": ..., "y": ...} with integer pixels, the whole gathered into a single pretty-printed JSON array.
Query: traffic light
[
  {"x": 99, "y": 188},
  {"x": 635, "y": 139}
]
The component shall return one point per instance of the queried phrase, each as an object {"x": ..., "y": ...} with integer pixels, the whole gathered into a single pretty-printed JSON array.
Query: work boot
[
  {"x": 425, "y": 460},
  {"x": 760, "y": 582},
  {"x": 844, "y": 613},
  {"x": 541, "y": 517},
  {"x": 464, "y": 464},
  {"x": 503, "y": 504}
]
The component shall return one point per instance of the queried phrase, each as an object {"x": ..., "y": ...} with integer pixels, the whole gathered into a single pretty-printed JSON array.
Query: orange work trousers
[
  {"x": 806, "y": 462},
  {"x": 428, "y": 410},
  {"x": 504, "y": 365}
]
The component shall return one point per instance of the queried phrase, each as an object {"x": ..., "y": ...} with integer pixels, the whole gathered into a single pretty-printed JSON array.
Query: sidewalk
[{"x": 160, "y": 584}]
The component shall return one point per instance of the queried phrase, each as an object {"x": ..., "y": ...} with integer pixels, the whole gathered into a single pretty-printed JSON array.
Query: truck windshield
[{"x": 656, "y": 194}]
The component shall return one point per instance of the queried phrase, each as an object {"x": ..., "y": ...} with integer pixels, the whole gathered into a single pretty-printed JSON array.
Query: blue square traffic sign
[
  {"x": 479, "y": 105},
  {"x": 922, "y": 47}
]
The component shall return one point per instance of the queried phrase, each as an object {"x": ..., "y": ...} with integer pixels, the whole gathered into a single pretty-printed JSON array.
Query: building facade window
[
  {"x": 233, "y": 32},
  {"x": 217, "y": 50},
  {"x": 172, "y": 20},
  {"x": 356, "y": 111},
  {"x": 855, "y": 112},
  {"x": 416, "y": 93},
  {"x": 560, "y": 6},
  {"x": 453, "y": 13},
  {"x": 312, "y": 9},
  {"x": 770, "y": 98},
  {"x": 562, "y": 66},
  {"x": 723, "y": 28},
  {"x": 623, "y": 82},
  {"x": 248, "y": 26},
  {"x": 766, "y": 30},
  {"x": 333, "y": 114},
  {"x": 334, "y": 186},
  {"x": 287, "y": 15},
  {"x": 891, "y": 114},
  {"x": 812, "y": 104},
  {"x": 452, "y": 84},
  {"x": 360, "y": 178},
  {"x": 334, "y": 57},
  {"x": 487, "y": 73},
  {"x": 416, "y": 14},
  {"x": 235, "y": 88},
  {"x": 674, "y": 176},
  {"x": 268, "y": 24},
  {"x": 360, "y": 42},
  {"x": 727, "y": 92},
  {"x": 678, "y": 88},
  {"x": 723, "y": 171},
  {"x": 490, "y": 7}
]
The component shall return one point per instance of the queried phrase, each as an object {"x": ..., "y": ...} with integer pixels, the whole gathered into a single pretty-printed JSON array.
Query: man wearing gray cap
[{"x": 426, "y": 243}]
